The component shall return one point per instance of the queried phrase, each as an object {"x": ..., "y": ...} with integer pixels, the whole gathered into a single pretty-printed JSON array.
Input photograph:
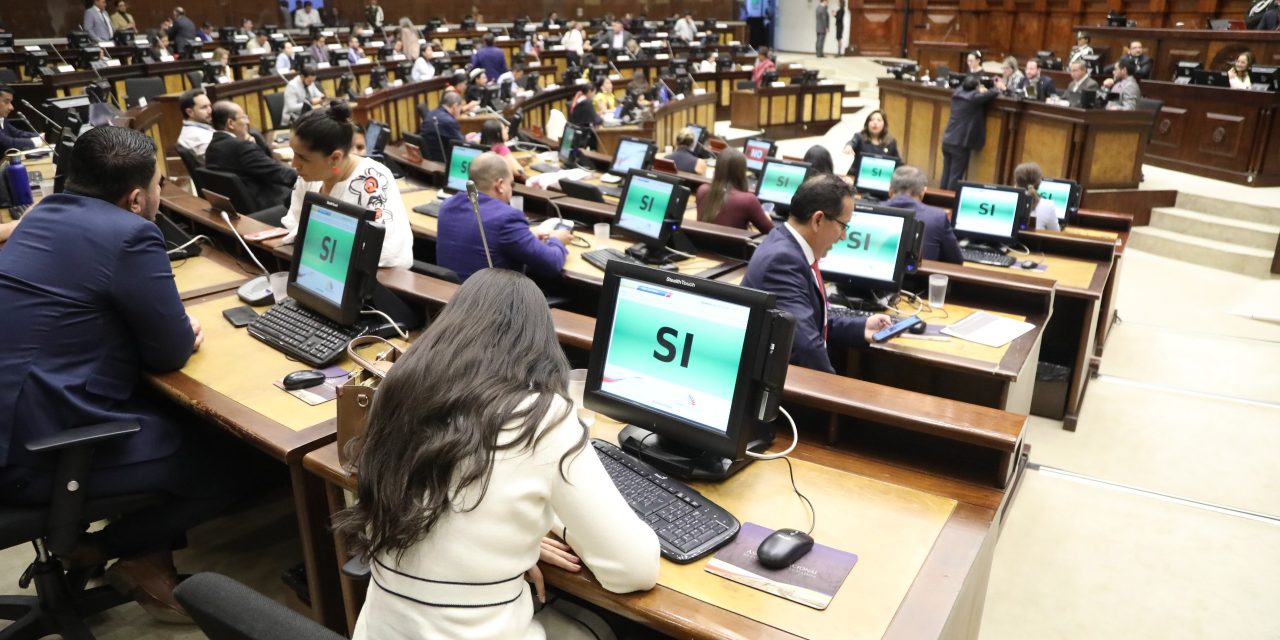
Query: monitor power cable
[
  {"x": 795, "y": 439},
  {"x": 393, "y": 323}
]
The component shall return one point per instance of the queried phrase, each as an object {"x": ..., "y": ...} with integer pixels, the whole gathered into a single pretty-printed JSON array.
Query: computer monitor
[
  {"x": 872, "y": 172},
  {"x": 1209, "y": 78},
  {"x": 699, "y": 133},
  {"x": 757, "y": 150},
  {"x": 1065, "y": 197},
  {"x": 695, "y": 367},
  {"x": 335, "y": 258},
  {"x": 989, "y": 214},
  {"x": 568, "y": 142},
  {"x": 1182, "y": 74},
  {"x": 779, "y": 180},
  {"x": 6, "y": 40},
  {"x": 375, "y": 138},
  {"x": 633, "y": 153},
  {"x": 874, "y": 254},
  {"x": 460, "y": 157},
  {"x": 651, "y": 207},
  {"x": 1265, "y": 76}
]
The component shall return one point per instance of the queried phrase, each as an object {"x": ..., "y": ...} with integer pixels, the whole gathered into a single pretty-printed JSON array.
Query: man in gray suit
[
  {"x": 823, "y": 19},
  {"x": 97, "y": 22},
  {"x": 1080, "y": 85},
  {"x": 182, "y": 31},
  {"x": 966, "y": 130},
  {"x": 1125, "y": 85}
]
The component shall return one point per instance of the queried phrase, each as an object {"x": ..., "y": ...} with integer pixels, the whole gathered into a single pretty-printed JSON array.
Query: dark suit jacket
[
  {"x": 12, "y": 137},
  {"x": 90, "y": 303},
  {"x": 584, "y": 114},
  {"x": 968, "y": 124},
  {"x": 506, "y": 229},
  {"x": 449, "y": 130},
  {"x": 1073, "y": 98},
  {"x": 269, "y": 182},
  {"x": 182, "y": 32},
  {"x": 940, "y": 241},
  {"x": 778, "y": 267},
  {"x": 1044, "y": 87}
]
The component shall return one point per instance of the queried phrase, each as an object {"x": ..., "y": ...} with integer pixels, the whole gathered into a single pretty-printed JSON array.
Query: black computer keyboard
[
  {"x": 836, "y": 311},
  {"x": 542, "y": 167},
  {"x": 688, "y": 525},
  {"x": 600, "y": 257},
  {"x": 610, "y": 191},
  {"x": 431, "y": 209},
  {"x": 987, "y": 257},
  {"x": 302, "y": 333}
]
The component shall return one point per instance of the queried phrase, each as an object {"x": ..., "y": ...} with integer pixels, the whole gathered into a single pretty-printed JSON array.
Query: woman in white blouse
[
  {"x": 1238, "y": 74},
  {"x": 472, "y": 455}
]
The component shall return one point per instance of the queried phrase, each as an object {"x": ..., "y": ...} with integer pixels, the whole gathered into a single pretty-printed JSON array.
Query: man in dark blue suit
[
  {"x": 512, "y": 243},
  {"x": 966, "y": 130},
  {"x": 90, "y": 303},
  {"x": 12, "y": 137},
  {"x": 906, "y": 191},
  {"x": 786, "y": 265},
  {"x": 440, "y": 127}
]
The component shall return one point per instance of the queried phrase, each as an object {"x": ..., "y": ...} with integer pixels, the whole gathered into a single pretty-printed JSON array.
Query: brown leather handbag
[{"x": 355, "y": 397}]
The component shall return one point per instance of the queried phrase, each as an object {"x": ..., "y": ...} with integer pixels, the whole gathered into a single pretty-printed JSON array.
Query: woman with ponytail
[
  {"x": 321, "y": 140},
  {"x": 1028, "y": 176}
]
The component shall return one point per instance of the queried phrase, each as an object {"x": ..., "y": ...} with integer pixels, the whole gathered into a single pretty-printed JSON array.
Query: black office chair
[
  {"x": 9, "y": 76},
  {"x": 137, "y": 88},
  {"x": 196, "y": 79},
  {"x": 435, "y": 271},
  {"x": 225, "y": 609},
  {"x": 1154, "y": 106},
  {"x": 192, "y": 162},
  {"x": 275, "y": 107},
  {"x": 231, "y": 186},
  {"x": 61, "y": 599}
]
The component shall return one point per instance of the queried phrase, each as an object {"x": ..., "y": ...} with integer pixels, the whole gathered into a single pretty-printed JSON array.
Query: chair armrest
[
  {"x": 83, "y": 436},
  {"x": 356, "y": 568}
]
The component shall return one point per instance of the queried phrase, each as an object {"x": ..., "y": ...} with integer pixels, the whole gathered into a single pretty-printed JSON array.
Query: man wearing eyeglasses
[{"x": 786, "y": 265}]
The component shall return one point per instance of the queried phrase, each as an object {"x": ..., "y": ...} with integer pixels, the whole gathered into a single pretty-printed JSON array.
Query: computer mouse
[
  {"x": 303, "y": 379},
  {"x": 1028, "y": 264},
  {"x": 783, "y": 547},
  {"x": 919, "y": 327}
]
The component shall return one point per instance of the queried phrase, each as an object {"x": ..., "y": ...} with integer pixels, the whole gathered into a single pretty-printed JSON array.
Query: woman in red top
[
  {"x": 726, "y": 201},
  {"x": 763, "y": 65}
]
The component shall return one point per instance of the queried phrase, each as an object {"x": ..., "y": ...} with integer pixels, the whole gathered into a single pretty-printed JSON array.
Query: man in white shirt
[
  {"x": 301, "y": 92},
  {"x": 422, "y": 67},
  {"x": 686, "y": 30},
  {"x": 197, "y": 127},
  {"x": 708, "y": 65},
  {"x": 572, "y": 39},
  {"x": 259, "y": 44},
  {"x": 284, "y": 61},
  {"x": 307, "y": 17},
  {"x": 97, "y": 22}
]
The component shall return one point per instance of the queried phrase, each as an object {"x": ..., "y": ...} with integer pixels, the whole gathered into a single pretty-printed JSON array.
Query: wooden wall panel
[
  {"x": 58, "y": 17},
  {"x": 876, "y": 29}
]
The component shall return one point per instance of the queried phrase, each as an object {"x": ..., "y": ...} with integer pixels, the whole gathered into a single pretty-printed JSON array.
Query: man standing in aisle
[{"x": 823, "y": 18}]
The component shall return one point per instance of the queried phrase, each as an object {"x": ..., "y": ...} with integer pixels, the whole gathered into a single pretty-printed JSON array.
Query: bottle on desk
[{"x": 15, "y": 175}]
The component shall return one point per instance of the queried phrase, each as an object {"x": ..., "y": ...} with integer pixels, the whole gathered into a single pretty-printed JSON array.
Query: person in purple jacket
[{"x": 512, "y": 243}]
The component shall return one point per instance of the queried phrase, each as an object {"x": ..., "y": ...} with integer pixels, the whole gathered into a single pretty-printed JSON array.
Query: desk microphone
[
  {"x": 474, "y": 197},
  {"x": 257, "y": 291},
  {"x": 40, "y": 113},
  {"x": 440, "y": 143}
]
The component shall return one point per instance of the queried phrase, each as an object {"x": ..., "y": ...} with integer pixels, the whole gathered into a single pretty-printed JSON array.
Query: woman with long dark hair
[
  {"x": 473, "y": 453},
  {"x": 820, "y": 159},
  {"x": 728, "y": 200},
  {"x": 494, "y": 134},
  {"x": 1028, "y": 176},
  {"x": 874, "y": 137}
]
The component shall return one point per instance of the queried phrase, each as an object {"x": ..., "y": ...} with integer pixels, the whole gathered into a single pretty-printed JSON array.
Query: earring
[{"x": 335, "y": 171}]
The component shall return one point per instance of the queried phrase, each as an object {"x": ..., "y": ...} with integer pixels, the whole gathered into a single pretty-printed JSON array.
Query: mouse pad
[
  {"x": 812, "y": 581},
  {"x": 321, "y": 393}
]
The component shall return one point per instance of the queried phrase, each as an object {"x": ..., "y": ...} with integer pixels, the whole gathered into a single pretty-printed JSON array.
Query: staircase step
[
  {"x": 1228, "y": 208},
  {"x": 1214, "y": 227},
  {"x": 1210, "y": 253}
]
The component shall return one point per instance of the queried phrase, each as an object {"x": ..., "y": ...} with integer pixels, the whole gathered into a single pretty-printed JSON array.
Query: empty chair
[
  {"x": 228, "y": 610},
  {"x": 137, "y": 89},
  {"x": 275, "y": 107}
]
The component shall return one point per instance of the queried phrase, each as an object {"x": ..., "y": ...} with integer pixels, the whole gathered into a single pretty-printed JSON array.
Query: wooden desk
[
  {"x": 1168, "y": 47},
  {"x": 1099, "y": 149},
  {"x": 790, "y": 111},
  {"x": 944, "y": 596},
  {"x": 1224, "y": 134},
  {"x": 1002, "y": 378},
  {"x": 251, "y": 95},
  {"x": 931, "y": 54},
  {"x": 397, "y": 106},
  {"x": 724, "y": 83},
  {"x": 1081, "y": 268}
]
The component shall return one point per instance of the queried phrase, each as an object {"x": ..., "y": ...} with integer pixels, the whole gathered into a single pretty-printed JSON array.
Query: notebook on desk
[{"x": 812, "y": 581}]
